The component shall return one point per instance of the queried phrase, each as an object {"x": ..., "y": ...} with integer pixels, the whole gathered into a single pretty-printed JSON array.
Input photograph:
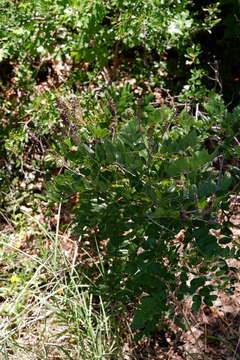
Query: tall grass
[{"x": 46, "y": 310}]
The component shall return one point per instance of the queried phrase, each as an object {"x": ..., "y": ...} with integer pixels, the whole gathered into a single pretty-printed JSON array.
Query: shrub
[
  {"x": 100, "y": 41},
  {"x": 139, "y": 188}
]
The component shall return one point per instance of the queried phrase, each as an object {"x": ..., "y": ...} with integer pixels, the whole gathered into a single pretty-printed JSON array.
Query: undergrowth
[{"x": 46, "y": 309}]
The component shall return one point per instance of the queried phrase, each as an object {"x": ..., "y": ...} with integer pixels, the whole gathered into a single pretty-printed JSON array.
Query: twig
[
  {"x": 197, "y": 112},
  {"x": 217, "y": 77},
  {"x": 6, "y": 219},
  {"x": 57, "y": 232},
  {"x": 237, "y": 347}
]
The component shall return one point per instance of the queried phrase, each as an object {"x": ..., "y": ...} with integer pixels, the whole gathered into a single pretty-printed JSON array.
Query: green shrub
[
  {"x": 100, "y": 42},
  {"x": 137, "y": 190}
]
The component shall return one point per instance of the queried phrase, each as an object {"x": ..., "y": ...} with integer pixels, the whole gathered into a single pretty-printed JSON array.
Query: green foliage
[
  {"x": 101, "y": 42},
  {"x": 137, "y": 191},
  {"x": 143, "y": 172},
  {"x": 103, "y": 33},
  {"x": 92, "y": 28}
]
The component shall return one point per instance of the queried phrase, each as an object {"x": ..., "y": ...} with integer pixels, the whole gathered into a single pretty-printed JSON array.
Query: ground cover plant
[{"x": 119, "y": 167}]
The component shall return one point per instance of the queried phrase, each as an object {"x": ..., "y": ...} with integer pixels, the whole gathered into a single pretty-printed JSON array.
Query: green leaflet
[
  {"x": 181, "y": 143},
  {"x": 189, "y": 164}
]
